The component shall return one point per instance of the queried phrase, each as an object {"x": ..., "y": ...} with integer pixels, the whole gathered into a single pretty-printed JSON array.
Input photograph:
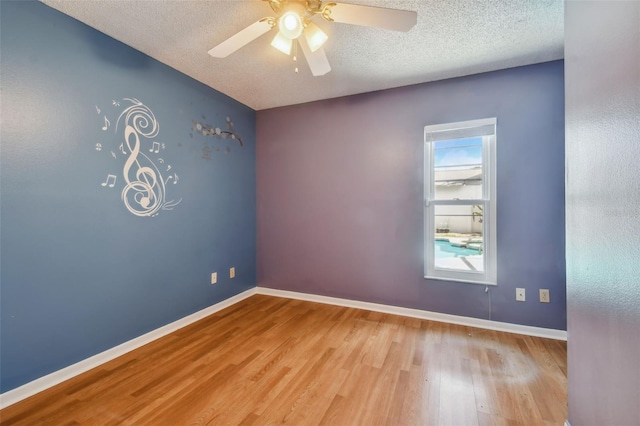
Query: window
[{"x": 460, "y": 201}]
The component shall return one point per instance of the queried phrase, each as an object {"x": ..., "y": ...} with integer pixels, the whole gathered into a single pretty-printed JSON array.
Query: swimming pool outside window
[{"x": 460, "y": 237}]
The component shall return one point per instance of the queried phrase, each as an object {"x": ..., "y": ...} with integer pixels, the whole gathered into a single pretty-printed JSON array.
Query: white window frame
[{"x": 460, "y": 130}]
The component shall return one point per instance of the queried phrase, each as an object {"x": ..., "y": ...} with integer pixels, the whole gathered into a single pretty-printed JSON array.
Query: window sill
[{"x": 428, "y": 277}]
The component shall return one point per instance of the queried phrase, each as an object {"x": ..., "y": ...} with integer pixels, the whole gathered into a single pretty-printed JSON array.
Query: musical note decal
[
  {"x": 174, "y": 177},
  {"x": 144, "y": 193},
  {"x": 163, "y": 146},
  {"x": 169, "y": 167},
  {"x": 97, "y": 109},
  {"x": 111, "y": 181}
]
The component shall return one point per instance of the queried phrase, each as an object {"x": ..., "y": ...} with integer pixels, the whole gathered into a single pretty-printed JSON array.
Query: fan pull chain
[{"x": 295, "y": 56}]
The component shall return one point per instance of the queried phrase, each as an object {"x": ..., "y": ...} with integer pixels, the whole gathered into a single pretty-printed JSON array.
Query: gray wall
[
  {"x": 602, "y": 54},
  {"x": 340, "y": 195}
]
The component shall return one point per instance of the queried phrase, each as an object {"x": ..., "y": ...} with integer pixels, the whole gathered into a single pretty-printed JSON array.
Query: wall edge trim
[
  {"x": 526, "y": 330},
  {"x": 40, "y": 384}
]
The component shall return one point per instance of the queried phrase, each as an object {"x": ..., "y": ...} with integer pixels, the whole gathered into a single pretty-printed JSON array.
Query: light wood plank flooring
[{"x": 268, "y": 360}]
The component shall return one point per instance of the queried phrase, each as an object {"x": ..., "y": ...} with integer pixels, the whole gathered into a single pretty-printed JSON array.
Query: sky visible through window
[{"x": 458, "y": 154}]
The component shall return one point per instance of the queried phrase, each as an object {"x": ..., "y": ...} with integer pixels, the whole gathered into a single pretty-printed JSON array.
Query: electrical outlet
[
  {"x": 544, "y": 295},
  {"x": 232, "y": 272},
  {"x": 520, "y": 295},
  {"x": 214, "y": 277}
]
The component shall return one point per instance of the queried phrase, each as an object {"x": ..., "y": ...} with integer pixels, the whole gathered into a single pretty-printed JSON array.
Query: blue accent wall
[{"x": 86, "y": 266}]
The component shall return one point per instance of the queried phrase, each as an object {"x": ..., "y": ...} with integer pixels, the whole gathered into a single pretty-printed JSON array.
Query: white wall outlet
[
  {"x": 544, "y": 295},
  {"x": 214, "y": 277},
  {"x": 520, "y": 297},
  {"x": 232, "y": 272}
]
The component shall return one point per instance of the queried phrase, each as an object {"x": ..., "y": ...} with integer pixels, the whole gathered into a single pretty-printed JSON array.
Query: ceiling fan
[{"x": 294, "y": 23}]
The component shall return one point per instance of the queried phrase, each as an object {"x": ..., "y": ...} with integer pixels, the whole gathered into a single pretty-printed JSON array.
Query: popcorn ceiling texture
[{"x": 451, "y": 39}]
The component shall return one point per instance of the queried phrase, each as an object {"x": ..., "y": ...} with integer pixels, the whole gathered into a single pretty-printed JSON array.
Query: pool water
[{"x": 445, "y": 249}]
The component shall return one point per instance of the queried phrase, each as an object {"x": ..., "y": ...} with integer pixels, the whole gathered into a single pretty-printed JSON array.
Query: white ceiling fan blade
[
  {"x": 318, "y": 62},
  {"x": 370, "y": 16},
  {"x": 241, "y": 39}
]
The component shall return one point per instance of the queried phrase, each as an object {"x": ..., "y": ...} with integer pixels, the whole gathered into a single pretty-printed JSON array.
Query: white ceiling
[{"x": 452, "y": 38}]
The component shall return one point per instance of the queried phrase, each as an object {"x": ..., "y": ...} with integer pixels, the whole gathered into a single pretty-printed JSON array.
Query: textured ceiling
[{"x": 452, "y": 38}]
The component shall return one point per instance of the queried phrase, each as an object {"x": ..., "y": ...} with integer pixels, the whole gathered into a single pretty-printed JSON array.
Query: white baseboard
[
  {"x": 417, "y": 313},
  {"x": 29, "y": 389}
]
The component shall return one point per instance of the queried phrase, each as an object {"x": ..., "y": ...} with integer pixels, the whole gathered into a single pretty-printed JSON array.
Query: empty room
[{"x": 307, "y": 212}]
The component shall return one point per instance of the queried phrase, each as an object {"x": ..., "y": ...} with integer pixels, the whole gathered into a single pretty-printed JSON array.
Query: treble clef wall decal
[
  {"x": 143, "y": 194},
  {"x": 144, "y": 190}
]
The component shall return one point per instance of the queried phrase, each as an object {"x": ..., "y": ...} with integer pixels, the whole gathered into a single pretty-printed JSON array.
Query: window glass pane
[
  {"x": 458, "y": 169},
  {"x": 458, "y": 241}
]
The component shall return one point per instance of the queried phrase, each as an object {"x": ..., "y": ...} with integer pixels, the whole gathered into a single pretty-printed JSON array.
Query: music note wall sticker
[
  {"x": 144, "y": 191},
  {"x": 144, "y": 187},
  {"x": 111, "y": 181}
]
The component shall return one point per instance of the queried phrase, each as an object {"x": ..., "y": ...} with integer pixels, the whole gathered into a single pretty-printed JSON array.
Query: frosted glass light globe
[{"x": 290, "y": 25}]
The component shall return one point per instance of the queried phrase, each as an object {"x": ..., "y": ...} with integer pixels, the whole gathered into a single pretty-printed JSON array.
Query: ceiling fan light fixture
[
  {"x": 315, "y": 36},
  {"x": 282, "y": 43},
  {"x": 293, "y": 18},
  {"x": 290, "y": 25}
]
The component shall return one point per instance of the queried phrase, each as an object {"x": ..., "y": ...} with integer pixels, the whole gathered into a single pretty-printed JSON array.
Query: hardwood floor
[{"x": 268, "y": 360}]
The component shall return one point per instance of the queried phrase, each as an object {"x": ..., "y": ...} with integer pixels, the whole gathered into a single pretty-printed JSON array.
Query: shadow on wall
[{"x": 110, "y": 51}]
